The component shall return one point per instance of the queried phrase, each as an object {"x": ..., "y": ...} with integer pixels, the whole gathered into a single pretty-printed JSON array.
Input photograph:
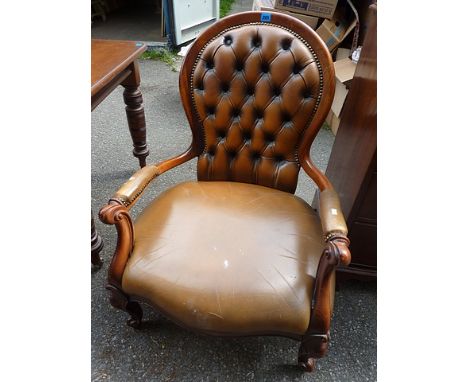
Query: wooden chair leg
[
  {"x": 313, "y": 346},
  {"x": 120, "y": 300},
  {"x": 307, "y": 364},
  {"x": 96, "y": 245}
]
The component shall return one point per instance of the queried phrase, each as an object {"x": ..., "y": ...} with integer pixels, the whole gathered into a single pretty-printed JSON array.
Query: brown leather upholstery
[
  {"x": 227, "y": 257},
  {"x": 255, "y": 89},
  {"x": 135, "y": 185},
  {"x": 233, "y": 253},
  {"x": 331, "y": 216}
]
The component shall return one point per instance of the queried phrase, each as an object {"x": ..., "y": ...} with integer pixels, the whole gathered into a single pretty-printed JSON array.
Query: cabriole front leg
[
  {"x": 120, "y": 300},
  {"x": 313, "y": 346}
]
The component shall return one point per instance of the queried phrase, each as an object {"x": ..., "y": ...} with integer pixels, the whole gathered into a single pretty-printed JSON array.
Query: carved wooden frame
[{"x": 314, "y": 343}]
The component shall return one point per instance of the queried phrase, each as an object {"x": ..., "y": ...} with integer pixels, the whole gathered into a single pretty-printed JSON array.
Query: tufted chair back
[{"x": 256, "y": 93}]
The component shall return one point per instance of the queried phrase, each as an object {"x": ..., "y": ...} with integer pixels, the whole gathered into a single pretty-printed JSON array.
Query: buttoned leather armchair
[{"x": 236, "y": 252}]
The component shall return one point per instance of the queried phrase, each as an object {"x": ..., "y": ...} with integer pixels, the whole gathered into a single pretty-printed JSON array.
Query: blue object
[
  {"x": 265, "y": 17},
  {"x": 139, "y": 44}
]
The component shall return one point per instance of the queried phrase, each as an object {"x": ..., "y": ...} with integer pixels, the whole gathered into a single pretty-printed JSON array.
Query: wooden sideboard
[{"x": 352, "y": 167}]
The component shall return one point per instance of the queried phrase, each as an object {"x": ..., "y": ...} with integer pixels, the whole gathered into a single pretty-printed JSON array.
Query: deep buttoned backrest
[{"x": 251, "y": 91}]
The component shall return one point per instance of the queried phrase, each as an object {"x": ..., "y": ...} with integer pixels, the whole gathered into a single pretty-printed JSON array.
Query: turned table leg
[
  {"x": 96, "y": 245},
  {"x": 136, "y": 114}
]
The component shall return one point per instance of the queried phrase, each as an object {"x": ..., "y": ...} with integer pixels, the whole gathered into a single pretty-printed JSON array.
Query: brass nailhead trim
[
  {"x": 140, "y": 191},
  {"x": 129, "y": 201},
  {"x": 331, "y": 235}
]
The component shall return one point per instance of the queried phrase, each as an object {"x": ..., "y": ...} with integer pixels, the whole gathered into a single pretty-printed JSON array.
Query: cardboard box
[
  {"x": 344, "y": 70},
  {"x": 342, "y": 53},
  {"x": 340, "y": 96},
  {"x": 344, "y": 73},
  {"x": 334, "y": 31},
  {"x": 333, "y": 122},
  {"x": 268, "y": 6},
  {"x": 263, "y": 5},
  {"x": 318, "y": 8},
  {"x": 328, "y": 120}
]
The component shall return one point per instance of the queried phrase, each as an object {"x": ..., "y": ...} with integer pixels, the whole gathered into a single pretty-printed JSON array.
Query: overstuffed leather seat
[
  {"x": 227, "y": 257},
  {"x": 236, "y": 252}
]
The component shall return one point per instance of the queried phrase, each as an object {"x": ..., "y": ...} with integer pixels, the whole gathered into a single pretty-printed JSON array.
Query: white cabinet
[{"x": 191, "y": 17}]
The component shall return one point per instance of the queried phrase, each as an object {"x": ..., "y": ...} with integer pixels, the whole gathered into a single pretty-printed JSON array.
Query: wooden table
[{"x": 114, "y": 63}]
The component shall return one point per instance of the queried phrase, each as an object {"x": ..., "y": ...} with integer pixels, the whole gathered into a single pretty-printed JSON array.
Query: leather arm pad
[
  {"x": 129, "y": 193},
  {"x": 133, "y": 188},
  {"x": 331, "y": 215}
]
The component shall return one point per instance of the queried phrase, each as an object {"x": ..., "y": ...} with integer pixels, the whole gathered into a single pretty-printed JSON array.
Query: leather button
[
  {"x": 225, "y": 87},
  {"x": 255, "y": 156},
  {"x": 250, "y": 90},
  {"x": 307, "y": 93},
  {"x": 209, "y": 63},
  {"x": 286, "y": 117},
  {"x": 221, "y": 134},
  {"x": 276, "y": 91},
  {"x": 236, "y": 112},
  {"x": 278, "y": 158},
  {"x": 212, "y": 151},
  {"x": 286, "y": 43},
  {"x": 269, "y": 138},
  {"x": 210, "y": 110},
  {"x": 296, "y": 68},
  {"x": 228, "y": 40},
  {"x": 239, "y": 66},
  {"x": 265, "y": 67},
  {"x": 256, "y": 42},
  {"x": 247, "y": 136},
  {"x": 259, "y": 113}
]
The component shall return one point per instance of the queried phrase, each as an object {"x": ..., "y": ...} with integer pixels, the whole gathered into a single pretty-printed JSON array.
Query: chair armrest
[
  {"x": 116, "y": 212},
  {"x": 331, "y": 216},
  {"x": 132, "y": 189},
  {"x": 129, "y": 192}
]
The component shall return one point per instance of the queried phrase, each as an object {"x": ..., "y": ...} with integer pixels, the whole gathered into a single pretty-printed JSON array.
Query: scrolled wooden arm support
[
  {"x": 117, "y": 214},
  {"x": 315, "y": 341},
  {"x": 337, "y": 249},
  {"x": 336, "y": 252}
]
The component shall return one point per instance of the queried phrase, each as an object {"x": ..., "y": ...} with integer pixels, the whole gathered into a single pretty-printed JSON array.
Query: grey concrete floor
[{"x": 161, "y": 351}]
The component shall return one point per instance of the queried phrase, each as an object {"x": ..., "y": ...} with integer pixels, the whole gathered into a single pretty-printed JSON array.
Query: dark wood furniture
[
  {"x": 96, "y": 245},
  {"x": 114, "y": 63},
  {"x": 236, "y": 252},
  {"x": 352, "y": 167}
]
